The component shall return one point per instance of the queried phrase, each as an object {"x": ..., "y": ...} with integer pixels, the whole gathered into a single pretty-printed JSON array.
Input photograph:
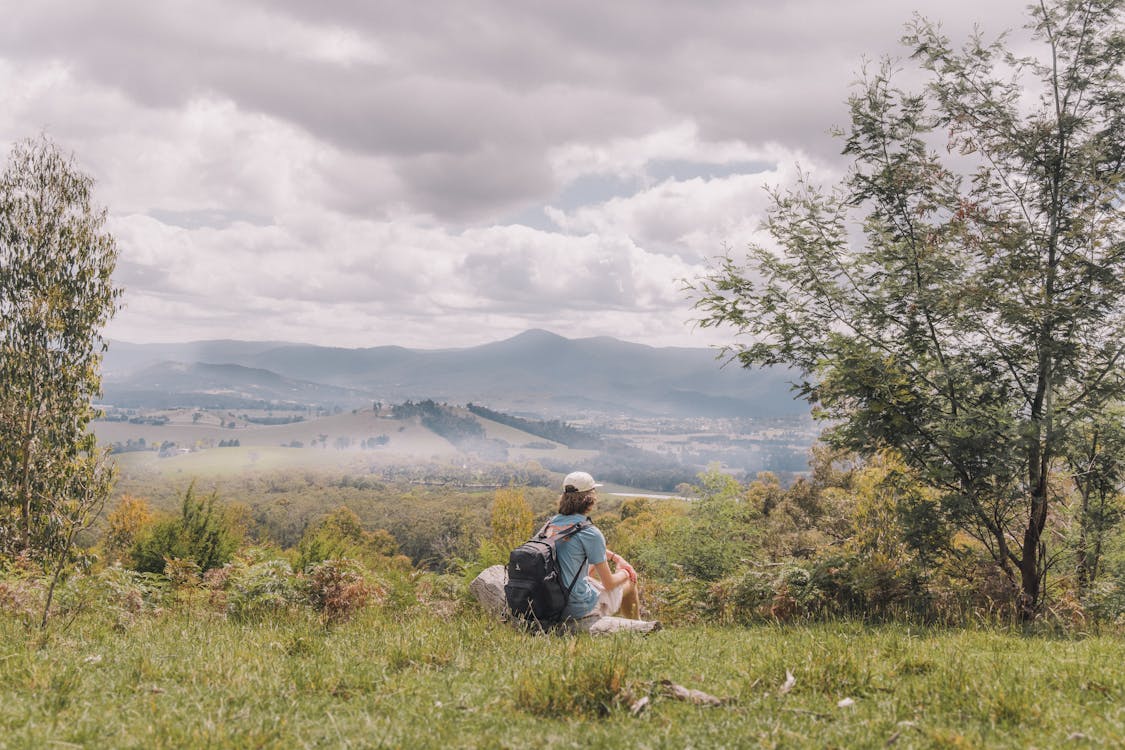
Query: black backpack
[{"x": 535, "y": 590}]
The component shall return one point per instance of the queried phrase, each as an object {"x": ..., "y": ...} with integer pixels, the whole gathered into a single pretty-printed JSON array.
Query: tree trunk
[
  {"x": 1030, "y": 581},
  {"x": 1031, "y": 562},
  {"x": 1082, "y": 569}
]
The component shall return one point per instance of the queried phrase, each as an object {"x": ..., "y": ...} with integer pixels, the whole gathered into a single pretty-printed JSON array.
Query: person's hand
[{"x": 622, "y": 565}]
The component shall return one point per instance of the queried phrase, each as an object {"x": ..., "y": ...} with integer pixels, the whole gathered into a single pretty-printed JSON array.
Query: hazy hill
[
  {"x": 535, "y": 372},
  {"x": 171, "y": 384}
]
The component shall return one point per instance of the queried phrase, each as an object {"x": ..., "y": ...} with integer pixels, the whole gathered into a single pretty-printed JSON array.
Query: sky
[{"x": 440, "y": 173}]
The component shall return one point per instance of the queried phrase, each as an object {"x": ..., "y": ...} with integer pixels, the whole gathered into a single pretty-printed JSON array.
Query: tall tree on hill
[
  {"x": 56, "y": 294},
  {"x": 964, "y": 305},
  {"x": 1096, "y": 461}
]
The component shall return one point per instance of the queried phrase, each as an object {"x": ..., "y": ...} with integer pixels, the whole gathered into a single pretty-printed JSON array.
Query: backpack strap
[
  {"x": 567, "y": 533},
  {"x": 578, "y": 574},
  {"x": 574, "y": 529}
]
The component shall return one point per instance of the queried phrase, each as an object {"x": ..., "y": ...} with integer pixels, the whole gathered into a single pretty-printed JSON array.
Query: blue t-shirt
[{"x": 588, "y": 543}]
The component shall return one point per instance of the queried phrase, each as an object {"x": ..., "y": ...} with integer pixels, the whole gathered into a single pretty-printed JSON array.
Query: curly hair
[{"x": 572, "y": 502}]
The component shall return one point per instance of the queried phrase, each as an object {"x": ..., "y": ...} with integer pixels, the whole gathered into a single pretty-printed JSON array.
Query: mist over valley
[{"x": 643, "y": 417}]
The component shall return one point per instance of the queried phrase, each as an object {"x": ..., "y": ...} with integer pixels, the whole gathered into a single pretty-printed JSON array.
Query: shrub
[
  {"x": 784, "y": 593},
  {"x": 338, "y": 588},
  {"x": 204, "y": 534},
  {"x": 261, "y": 589},
  {"x": 511, "y": 520},
  {"x": 341, "y": 535},
  {"x": 796, "y": 595},
  {"x": 20, "y": 598},
  {"x": 119, "y": 593},
  {"x": 21, "y": 590},
  {"x": 123, "y": 526},
  {"x": 182, "y": 573},
  {"x": 441, "y": 595},
  {"x": 708, "y": 539},
  {"x": 683, "y": 601},
  {"x": 1105, "y": 599},
  {"x": 741, "y": 598}
]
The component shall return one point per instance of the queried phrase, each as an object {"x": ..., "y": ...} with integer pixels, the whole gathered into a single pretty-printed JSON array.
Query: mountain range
[{"x": 536, "y": 373}]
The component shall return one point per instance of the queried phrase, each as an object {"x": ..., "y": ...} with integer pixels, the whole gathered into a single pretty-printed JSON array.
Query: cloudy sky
[{"x": 438, "y": 173}]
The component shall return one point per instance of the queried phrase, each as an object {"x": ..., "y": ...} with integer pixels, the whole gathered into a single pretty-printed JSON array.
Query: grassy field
[
  {"x": 261, "y": 445},
  {"x": 410, "y": 679}
]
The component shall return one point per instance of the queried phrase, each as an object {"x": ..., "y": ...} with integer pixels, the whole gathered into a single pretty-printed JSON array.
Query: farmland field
[
  {"x": 655, "y": 449},
  {"x": 325, "y": 441}
]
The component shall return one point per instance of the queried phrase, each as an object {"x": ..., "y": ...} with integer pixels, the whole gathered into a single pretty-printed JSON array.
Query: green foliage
[
  {"x": 56, "y": 294},
  {"x": 707, "y": 539},
  {"x": 854, "y": 538},
  {"x": 511, "y": 524},
  {"x": 123, "y": 524},
  {"x": 1105, "y": 600},
  {"x": 204, "y": 534},
  {"x": 559, "y": 432},
  {"x": 900, "y": 534},
  {"x": 340, "y": 534},
  {"x": 512, "y": 518},
  {"x": 20, "y": 594},
  {"x": 981, "y": 315},
  {"x": 1096, "y": 461},
  {"x": 426, "y": 521},
  {"x": 260, "y": 590},
  {"x": 643, "y": 536},
  {"x": 159, "y": 542},
  {"x": 464, "y": 432},
  {"x": 119, "y": 592}
]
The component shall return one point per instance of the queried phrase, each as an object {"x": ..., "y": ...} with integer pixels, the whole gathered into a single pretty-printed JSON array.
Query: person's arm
[
  {"x": 613, "y": 557},
  {"x": 620, "y": 562},
  {"x": 609, "y": 579}
]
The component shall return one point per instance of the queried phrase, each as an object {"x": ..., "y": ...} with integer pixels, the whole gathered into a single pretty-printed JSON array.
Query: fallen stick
[{"x": 698, "y": 697}]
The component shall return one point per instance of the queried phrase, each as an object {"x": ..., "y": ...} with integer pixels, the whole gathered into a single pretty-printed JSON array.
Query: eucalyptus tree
[
  {"x": 1096, "y": 461},
  {"x": 960, "y": 295},
  {"x": 56, "y": 294}
]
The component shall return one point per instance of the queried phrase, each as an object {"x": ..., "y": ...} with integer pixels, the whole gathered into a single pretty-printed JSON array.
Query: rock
[
  {"x": 488, "y": 588},
  {"x": 602, "y": 625}
]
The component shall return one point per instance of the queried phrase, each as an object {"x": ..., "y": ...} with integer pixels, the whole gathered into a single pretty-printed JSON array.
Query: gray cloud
[
  {"x": 455, "y": 84},
  {"x": 368, "y": 162}
]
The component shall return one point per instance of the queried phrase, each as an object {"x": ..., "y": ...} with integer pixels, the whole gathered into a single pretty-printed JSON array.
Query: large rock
[{"x": 488, "y": 588}]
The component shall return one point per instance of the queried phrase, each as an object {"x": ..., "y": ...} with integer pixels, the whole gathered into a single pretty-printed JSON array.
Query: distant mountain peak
[
  {"x": 536, "y": 371},
  {"x": 538, "y": 335}
]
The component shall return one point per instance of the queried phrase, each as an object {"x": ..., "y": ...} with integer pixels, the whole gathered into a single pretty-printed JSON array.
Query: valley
[
  {"x": 641, "y": 417},
  {"x": 634, "y": 452}
]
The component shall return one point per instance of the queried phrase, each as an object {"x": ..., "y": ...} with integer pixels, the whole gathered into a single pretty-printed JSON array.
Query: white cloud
[{"x": 339, "y": 173}]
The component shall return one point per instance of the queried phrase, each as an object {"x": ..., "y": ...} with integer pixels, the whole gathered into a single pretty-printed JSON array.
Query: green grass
[{"x": 191, "y": 679}]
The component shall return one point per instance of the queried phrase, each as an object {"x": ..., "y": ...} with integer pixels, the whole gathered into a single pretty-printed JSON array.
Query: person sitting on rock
[{"x": 602, "y": 591}]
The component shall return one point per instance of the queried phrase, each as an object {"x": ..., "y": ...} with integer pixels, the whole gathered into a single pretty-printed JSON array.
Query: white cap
[{"x": 580, "y": 481}]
